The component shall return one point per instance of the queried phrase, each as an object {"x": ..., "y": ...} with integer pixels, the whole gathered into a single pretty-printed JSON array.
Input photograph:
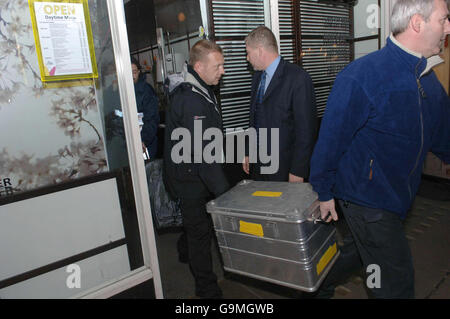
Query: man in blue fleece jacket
[{"x": 385, "y": 112}]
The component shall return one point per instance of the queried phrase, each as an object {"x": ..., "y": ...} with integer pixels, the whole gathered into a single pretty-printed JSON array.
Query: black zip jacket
[{"x": 192, "y": 101}]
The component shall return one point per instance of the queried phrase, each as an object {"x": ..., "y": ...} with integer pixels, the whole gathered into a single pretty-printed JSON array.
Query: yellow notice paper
[
  {"x": 64, "y": 40},
  {"x": 250, "y": 228},
  {"x": 267, "y": 194},
  {"x": 329, "y": 254}
]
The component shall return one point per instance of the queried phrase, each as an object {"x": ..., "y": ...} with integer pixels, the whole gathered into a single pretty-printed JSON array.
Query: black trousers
[
  {"x": 374, "y": 237},
  {"x": 196, "y": 244}
]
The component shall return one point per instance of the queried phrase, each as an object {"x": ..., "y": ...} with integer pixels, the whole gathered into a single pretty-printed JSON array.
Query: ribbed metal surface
[
  {"x": 286, "y": 17},
  {"x": 236, "y": 85},
  {"x": 325, "y": 30},
  {"x": 233, "y": 20},
  {"x": 235, "y": 112},
  {"x": 320, "y": 19},
  {"x": 287, "y": 49},
  {"x": 237, "y": 75},
  {"x": 287, "y": 29}
]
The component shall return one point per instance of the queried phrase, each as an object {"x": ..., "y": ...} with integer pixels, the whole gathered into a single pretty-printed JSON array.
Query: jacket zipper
[
  {"x": 371, "y": 170},
  {"x": 421, "y": 93}
]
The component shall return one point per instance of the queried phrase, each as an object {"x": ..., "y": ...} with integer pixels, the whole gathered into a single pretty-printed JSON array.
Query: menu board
[{"x": 64, "y": 41}]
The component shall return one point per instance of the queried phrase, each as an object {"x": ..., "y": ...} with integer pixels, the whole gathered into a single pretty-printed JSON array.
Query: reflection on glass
[
  {"x": 59, "y": 133},
  {"x": 65, "y": 132}
]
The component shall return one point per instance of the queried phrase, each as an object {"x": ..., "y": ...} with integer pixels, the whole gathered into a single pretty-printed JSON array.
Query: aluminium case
[{"x": 265, "y": 230}]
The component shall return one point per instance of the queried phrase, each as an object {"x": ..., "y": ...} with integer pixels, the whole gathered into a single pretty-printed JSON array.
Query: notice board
[{"x": 64, "y": 41}]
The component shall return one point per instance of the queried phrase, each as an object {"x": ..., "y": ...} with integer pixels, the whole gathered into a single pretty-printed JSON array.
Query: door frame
[{"x": 150, "y": 270}]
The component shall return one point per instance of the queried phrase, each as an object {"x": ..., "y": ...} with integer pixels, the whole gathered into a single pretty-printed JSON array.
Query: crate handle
[{"x": 231, "y": 220}]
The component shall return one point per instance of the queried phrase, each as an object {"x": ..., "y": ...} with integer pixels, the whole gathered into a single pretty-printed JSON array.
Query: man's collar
[
  {"x": 401, "y": 46},
  {"x": 270, "y": 70},
  {"x": 431, "y": 61},
  {"x": 199, "y": 85},
  {"x": 197, "y": 77}
]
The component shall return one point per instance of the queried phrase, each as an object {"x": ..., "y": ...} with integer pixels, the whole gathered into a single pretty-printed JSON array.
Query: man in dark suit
[{"x": 282, "y": 98}]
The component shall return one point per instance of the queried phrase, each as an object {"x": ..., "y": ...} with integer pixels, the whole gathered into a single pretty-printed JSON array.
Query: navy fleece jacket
[{"x": 382, "y": 118}]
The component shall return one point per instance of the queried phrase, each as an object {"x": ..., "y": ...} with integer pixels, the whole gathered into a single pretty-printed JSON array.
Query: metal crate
[{"x": 264, "y": 231}]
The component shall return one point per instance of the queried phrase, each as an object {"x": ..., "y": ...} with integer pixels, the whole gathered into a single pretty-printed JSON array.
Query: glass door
[{"x": 75, "y": 218}]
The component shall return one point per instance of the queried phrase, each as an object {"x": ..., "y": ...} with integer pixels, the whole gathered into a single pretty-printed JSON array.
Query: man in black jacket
[
  {"x": 193, "y": 110},
  {"x": 282, "y": 99}
]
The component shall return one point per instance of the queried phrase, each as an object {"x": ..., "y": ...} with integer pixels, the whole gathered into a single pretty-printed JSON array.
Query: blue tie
[
  {"x": 259, "y": 99},
  {"x": 262, "y": 87}
]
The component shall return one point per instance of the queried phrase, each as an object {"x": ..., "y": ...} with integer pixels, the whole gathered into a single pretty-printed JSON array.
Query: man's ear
[
  {"x": 198, "y": 67},
  {"x": 260, "y": 51},
  {"x": 416, "y": 23}
]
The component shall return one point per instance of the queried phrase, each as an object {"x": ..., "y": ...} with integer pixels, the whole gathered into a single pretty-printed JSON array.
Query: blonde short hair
[{"x": 201, "y": 49}]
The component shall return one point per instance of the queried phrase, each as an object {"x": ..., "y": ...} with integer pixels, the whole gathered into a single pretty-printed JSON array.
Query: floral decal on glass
[{"x": 50, "y": 135}]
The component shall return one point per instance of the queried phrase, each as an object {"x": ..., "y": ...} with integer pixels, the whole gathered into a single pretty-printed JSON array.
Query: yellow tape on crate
[
  {"x": 267, "y": 194},
  {"x": 323, "y": 262},
  {"x": 251, "y": 228}
]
